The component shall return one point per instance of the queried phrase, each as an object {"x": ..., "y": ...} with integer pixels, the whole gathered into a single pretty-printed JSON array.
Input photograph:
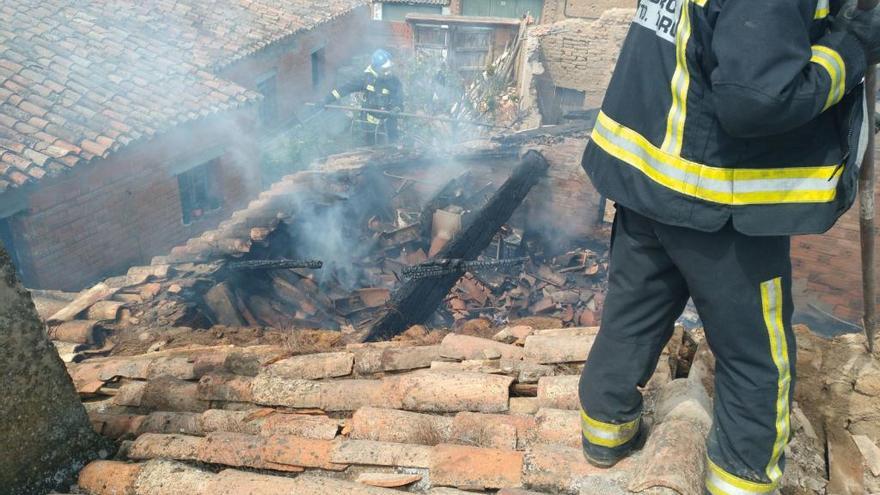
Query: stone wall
[
  {"x": 46, "y": 435},
  {"x": 581, "y": 54}
]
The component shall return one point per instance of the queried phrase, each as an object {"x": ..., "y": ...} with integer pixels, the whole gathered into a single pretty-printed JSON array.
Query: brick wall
[
  {"x": 394, "y": 36},
  {"x": 558, "y": 10},
  {"x": 580, "y": 54},
  {"x": 827, "y": 268},
  {"x": 291, "y": 61},
  {"x": 103, "y": 217}
]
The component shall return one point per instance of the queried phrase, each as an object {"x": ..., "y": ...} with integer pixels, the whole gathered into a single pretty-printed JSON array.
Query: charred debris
[{"x": 336, "y": 247}]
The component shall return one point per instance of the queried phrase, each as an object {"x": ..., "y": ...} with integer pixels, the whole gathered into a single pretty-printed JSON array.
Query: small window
[
  {"x": 318, "y": 68},
  {"x": 269, "y": 107},
  {"x": 199, "y": 192}
]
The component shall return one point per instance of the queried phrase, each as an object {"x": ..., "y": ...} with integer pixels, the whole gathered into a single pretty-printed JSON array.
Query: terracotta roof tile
[
  {"x": 64, "y": 65},
  {"x": 520, "y": 454}
]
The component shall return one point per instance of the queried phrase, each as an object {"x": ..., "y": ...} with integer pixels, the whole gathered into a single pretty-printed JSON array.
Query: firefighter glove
[{"x": 864, "y": 25}]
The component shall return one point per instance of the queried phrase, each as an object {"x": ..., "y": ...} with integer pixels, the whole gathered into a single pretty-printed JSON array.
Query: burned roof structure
[{"x": 480, "y": 409}]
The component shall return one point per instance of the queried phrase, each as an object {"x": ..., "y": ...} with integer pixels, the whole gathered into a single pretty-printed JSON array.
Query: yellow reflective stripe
[
  {"x": 608, "y": 434},
  {"x": 701, "y": 3},
  {"x": 370, "y": 70},
  {"x": 370, "y": 87},
  {"x": 372, "y": 120},
  {"x": 385, "y": 91},
  {"x": 822, "y": 10},
  {"x": 771, "y": 303},
  {"x": 720, "y": 482},
  {"x": 681, "y": 81},
  {"x": 733, "y": 186},
  {"x": 833, "y": 63},
  {"x": 336, "y": 94}
]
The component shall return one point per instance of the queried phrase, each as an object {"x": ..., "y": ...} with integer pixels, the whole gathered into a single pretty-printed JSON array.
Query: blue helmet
[{"x": 381, "y": 61}]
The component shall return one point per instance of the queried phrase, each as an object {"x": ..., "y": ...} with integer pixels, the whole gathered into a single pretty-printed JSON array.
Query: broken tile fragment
[
  {"x": 870, "y": 452},
  {"x": 388, "y": 480}
]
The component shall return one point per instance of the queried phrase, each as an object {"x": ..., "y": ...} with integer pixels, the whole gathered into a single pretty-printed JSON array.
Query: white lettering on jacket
[{"x": 660, "y": 16}]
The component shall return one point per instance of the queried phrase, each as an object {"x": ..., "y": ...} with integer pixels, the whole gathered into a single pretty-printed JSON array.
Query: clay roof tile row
[
  {"x": 92, "y": 77},
  {"x": 445, "y": 430}
]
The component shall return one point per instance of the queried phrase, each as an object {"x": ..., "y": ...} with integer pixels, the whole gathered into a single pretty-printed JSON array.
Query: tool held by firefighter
[
  {"x": 867, "y": 181},
  {"x": 442, "y": 267},
  {"x": 382, "y": 91}
]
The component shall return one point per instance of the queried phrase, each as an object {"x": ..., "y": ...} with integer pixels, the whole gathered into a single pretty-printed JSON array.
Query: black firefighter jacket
[
  {"x": 742, "y": 110},
  {"x": 380, "y": 93}
]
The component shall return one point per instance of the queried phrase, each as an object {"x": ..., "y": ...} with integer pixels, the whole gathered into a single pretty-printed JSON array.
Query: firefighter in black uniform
[
  {"x": 382, "y": 91},
  {"x": 728, "y": 126}
]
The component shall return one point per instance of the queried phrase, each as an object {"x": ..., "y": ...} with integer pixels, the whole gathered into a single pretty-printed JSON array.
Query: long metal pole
[
  {"x": 866, "y": 206},
  {"x": 409, "y": 115}
]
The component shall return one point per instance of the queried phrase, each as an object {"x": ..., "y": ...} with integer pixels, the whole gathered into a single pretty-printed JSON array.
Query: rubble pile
[{"x": 370, "y": 216}]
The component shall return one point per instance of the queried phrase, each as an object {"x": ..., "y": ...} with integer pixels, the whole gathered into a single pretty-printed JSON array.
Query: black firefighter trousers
[{"x": 741, "y": 286}]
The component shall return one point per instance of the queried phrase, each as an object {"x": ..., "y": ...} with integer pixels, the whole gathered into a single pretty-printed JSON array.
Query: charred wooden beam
[{"x": 416, "y": 300}]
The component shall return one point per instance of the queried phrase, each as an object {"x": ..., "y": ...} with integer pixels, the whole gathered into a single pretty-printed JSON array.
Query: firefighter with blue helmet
[
  {"x": 382, "y": 90},
  {"x": 728, "y": 126}
]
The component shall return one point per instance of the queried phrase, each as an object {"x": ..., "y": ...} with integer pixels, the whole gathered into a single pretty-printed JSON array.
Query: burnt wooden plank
[{"x": 417, "y": 299}]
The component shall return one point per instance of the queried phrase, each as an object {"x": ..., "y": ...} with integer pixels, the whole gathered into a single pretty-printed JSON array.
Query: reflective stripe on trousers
[
  {"x": 608, "y": 434},
  {"x": 719, "y": 481}
]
